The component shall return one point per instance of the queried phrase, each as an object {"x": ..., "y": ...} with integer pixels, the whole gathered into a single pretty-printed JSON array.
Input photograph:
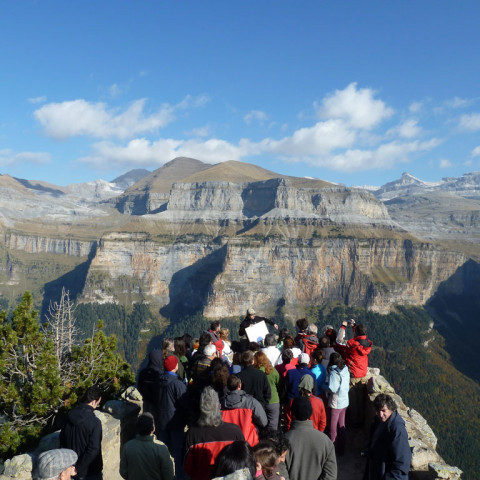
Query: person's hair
[
  {"x": 302, "y": 324},
  {"x": 360, "y": 330},
  {"x": 187, "y": 338},
  {"x": 167, "y": 347},
  {"x": 145, "y": 424},
  {"x": 204, "y": 339},
  {"x": 312, "y": 328},
  {"x": 336, "y": 359},
  {"x": 179, "y": 347},
  {"x": 196, "y": 344},
  {"x": 282, "y": 334},
  {"x": 324, "y": 342},
  {"x": 247, "y": 358},
  {"x": 261, "y": 360},
  {"x": 383, "y": 400},
  {"x": 219, "y": 377},
  {"x": 214, "y": 325},
  {"x": 92, "y": 394},
  {"x": 302, "y": 408},
  {"x": 210, "y": 413},
  {"x": 288, "y": 342},
  {"x": 209, "y": 350},
  {"x": 277, "y": 437},
  {"x": 287, "y": 356},
  {"x": 233, "y": 457},
  {"x": 270, "y": 340},
  {"x": 317, "y": 356},
  {"x": 254, "y": 346},
  {"x": 216, "y": 363},
  {"x": 233, "y": 382},
  {"x": 224, "y": 333},
  {"x": 237, "y": 358},
  {"x": 266, "y": 455}
]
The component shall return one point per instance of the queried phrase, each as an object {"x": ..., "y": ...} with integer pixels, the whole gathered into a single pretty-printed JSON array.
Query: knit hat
[
  {"x": 170, "y": 363},
  {"x": 53, "y": 462},
  {"x": 250, "y": 311},
  {"x": 306, "y": 383},
  {"x": 304, "y": 358}
]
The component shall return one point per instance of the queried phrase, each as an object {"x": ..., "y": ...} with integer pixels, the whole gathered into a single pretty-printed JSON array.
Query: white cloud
[
  {"x": 476, "y": 152},
  {"x": 255, "y": 115},
  {"x": 415, "y": 107},
  {"x": 356, "y": 106},
  {"x": 8, "y": 157},
  {"x": 37, "y": 99},
  {"x": 142, "y": 152},
  {"x": 79, "y": 117},
  {"x": 470, "y": 122},
  {"x": 458, "y": 102},
  {"x": 385, "y": 156},
  {"x": 408, "y": 129},
  {"x": 199, "y": 132},
  {"x": 444, "y": 163}
]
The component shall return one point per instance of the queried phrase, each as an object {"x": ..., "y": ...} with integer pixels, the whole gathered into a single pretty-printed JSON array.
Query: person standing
[
  {"x": 251, "y": 319},
  {"x": 389, "y": 454},
  {"x": 82, "y": 433},
  {"x": 144, "y": 457},
  {"x": 255, "y": 382},
  {"x": 312, "y": 454}
]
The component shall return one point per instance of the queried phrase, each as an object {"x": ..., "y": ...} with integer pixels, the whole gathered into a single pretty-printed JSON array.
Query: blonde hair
[{"x": 224, "y": 333}]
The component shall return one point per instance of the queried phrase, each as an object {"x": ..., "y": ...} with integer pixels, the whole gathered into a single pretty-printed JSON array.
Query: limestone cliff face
[
  {"x": 224, "y": 278},
  {"x": 43, "y": 244}
]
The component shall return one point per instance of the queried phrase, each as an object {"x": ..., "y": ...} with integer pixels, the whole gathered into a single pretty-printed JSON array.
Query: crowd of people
[{"x": 260, "y": 408}]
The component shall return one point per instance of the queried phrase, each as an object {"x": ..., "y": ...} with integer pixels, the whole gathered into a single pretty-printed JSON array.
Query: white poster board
[{"x": 257, "y": 332}]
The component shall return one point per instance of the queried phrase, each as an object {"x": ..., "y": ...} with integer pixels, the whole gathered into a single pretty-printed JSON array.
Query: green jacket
[
  {"x": 145, "y": 458},
  {"x": 274, "y": 381}
]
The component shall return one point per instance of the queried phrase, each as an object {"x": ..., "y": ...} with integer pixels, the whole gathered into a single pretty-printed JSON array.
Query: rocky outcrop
[
  {"x": 223, "y": 278},
  {"x": 40, "y": 244}
]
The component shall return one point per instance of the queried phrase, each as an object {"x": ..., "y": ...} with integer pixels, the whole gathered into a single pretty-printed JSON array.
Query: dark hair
[
  {"x": 266, "y": 455},
  {"x": 237, "y": 358},
  {"x": 302, "y": 324},
  {"x": 288, "y": 342},
  {"x": 317, "y": 355},
  {"x": 278, "y": 438},
  {"x": 145, "y": 424},
  {"x": 282, "y": 334},
  {"x": 324, "y": 342},
  {"x": 247, "y": 358},
  {"x": 216, "y": 364},
  {"x": 360, "y": 330},
  {"x": 219, "y": 377},
  {"x": 302, "y": 408},
  {"x": 214, "y": 325},
  {"x": 204, "y": 339},
  {"x": 188, "y": 339},
  {"x": 287, "y": 356},
  {"x": 233, "y": 457},
  {"x": 383, "y": 400},
  {"x": 270, "y": 340},
  {"x": 179, "y": 346},
  {"x": 254, "y": 346},
  {"x": 92, "y": 394},
  {"x": 336, "y": 359},
  {"x": 233, "y": 382}
]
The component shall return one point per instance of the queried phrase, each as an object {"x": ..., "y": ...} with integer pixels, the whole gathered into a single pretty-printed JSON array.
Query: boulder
[
  {"x": 19, "y": 467},
  {"x": 378, "y": 384},
  {"x": 444, "y": 472}
]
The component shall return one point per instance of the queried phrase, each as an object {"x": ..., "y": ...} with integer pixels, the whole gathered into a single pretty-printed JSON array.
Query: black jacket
[
  {"x": 255, "y": 383},
  {"x": 169, "y": 411},
  {"x": 82, "y": 433},
  {"x": 248, "y": 322}
]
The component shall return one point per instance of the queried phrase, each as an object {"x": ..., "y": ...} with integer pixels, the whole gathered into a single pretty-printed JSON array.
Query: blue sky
[{"x": 350, "y": 92}]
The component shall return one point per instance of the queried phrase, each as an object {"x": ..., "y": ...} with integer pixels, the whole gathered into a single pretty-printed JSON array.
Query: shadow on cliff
[
  {"x": 456, "y": 309},
  {"x": 73, "y": 281},
  {"x": 189, "y": 287}
]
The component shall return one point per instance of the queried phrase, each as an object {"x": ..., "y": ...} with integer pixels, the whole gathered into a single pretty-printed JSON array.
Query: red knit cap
[{"x": 170, "y": 363}]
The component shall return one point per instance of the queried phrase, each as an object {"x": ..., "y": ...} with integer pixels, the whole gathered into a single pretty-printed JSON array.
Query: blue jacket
[
  {"x": 170, "y": 409},
  {"x": 389, "y": 454},
  {"x": 293, "y": 379},
  {"x": 320, "y": 373},
  {"x": 338, "y": 385}
]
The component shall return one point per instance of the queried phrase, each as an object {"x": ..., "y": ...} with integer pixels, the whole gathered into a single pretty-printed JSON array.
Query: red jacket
[
  {"x": 355, "y": 353},
  {"x": 318, "y": 418}
]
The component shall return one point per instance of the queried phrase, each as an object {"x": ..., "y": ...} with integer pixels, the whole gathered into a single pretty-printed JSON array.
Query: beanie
[{"x": 170, "y": 363}]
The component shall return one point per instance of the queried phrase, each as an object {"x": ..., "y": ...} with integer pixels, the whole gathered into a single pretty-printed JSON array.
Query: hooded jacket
[
  {"x": 242, "y": 409},
  {"x": 82, "y": 433},
  {"x": 338, "y": 385},
  {"x": 169, "y": 411},
  {"x": 148, "y": 377},
  {"x": 355, "y": 353}
]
